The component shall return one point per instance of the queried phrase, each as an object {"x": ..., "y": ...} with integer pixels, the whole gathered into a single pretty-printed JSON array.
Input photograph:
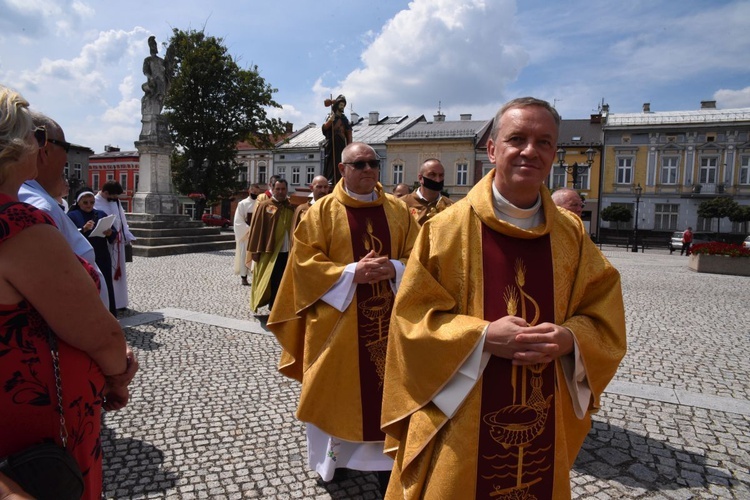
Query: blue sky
[{"x": 81, "y": 61}]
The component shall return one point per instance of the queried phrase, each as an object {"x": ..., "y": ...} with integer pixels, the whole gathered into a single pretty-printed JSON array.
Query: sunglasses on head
[
  {"x": 360, "y": 165},
  {"x": 63, "y": 144},
  {"x": 40, "y": 134}
]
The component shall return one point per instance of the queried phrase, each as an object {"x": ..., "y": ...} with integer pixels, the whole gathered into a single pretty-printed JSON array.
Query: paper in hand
[{"x": 102, "y": 225}]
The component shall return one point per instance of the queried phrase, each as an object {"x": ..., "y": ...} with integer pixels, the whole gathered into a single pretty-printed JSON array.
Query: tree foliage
[
  {"x": 717, "y": 208},
  {"x": 211, "y": 105},
  {"x": 616, "y": 214}
]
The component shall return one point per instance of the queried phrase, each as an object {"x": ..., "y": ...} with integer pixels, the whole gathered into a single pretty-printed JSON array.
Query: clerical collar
[
  {"x": 419, "y": 195},
  {"x": 277, "y": 201},
  {"x": 362, "y": 197},
  {"x": 525, "y": 218}
]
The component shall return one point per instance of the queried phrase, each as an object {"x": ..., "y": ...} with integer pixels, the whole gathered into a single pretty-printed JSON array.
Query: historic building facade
[{"x": 679, "y": 158}]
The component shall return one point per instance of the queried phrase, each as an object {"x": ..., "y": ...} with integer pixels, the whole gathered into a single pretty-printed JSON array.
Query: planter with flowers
[{"x": 720, "y": 258}]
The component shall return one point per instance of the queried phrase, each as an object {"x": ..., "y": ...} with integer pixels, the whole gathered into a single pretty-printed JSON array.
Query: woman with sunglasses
[
  {"x": 48, "y": 295},
  {"x": 85, "y": 216}
]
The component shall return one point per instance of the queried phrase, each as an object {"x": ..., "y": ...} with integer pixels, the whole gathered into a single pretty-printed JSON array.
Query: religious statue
[
  {"x": 338, "y": 133},
  {"x": 154, "y": 91}
]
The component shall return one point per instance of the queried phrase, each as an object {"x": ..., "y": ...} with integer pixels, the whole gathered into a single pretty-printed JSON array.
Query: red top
[{"x": 27, "y": 384}]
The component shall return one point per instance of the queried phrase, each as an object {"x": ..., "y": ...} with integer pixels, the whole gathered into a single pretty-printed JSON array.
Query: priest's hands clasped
[
  {"x": 512, "y": 338},
  {"x": 373, "y": 268}
]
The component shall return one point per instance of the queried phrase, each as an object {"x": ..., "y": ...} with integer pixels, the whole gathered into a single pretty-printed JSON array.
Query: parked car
[
  {"x": 746, "y": 243},
  {"x": 215, "y": 220},
  {"x": 675, "y": 241}
]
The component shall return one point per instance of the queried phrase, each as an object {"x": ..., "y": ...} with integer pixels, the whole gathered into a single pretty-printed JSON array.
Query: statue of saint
[
  {"x": 338, "y": 133},
  {"x": 155, "y": 88}
]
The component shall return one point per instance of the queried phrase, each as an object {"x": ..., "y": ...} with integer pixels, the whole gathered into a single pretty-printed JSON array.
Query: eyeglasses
[
  {"x": 360, "y": 165},
  {"x": 40, "y": 134},
  {"x": 63, "y": 144}
]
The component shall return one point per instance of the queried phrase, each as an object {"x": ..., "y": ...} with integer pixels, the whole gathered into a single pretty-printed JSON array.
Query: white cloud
[
  {"x": 437, "y": 50},
  {"x": 726, "y": 98}
]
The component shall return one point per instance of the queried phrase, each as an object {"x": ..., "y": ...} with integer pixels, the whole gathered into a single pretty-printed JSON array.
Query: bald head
[
  {"x": 568, "y": 199},
  {"x": 319, "y": 187},
  {"x": 401, "y": 190}
]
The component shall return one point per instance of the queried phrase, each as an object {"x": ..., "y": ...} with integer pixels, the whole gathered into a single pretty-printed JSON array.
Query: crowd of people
[
  {"x": 455, "y": 349},
  {"x": 63, "y": 355},
  {"x": 505, "y": 288}
]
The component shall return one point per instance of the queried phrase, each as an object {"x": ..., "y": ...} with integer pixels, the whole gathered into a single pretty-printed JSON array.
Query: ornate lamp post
[
  {"x": 575, "y": 169},
  {"x": 638, "y": 190}
]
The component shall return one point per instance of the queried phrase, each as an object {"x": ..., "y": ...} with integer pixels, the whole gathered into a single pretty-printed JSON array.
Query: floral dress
[{"x": 28, "y": 400}]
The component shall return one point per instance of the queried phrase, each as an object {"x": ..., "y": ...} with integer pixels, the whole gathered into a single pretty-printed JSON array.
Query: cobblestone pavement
[{"x": 211, "y": 418}]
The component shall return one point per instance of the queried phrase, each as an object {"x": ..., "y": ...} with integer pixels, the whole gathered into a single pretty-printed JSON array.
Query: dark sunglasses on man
[{"x": 360, "y": 165}]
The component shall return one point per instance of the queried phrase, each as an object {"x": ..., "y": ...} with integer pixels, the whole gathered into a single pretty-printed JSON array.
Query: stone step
[
  {"x": 174, "y": 240},
  {"x": 159, "y": 251},
  {"x": 170, "y": 224},
  {"x": 180, "y": 231}
]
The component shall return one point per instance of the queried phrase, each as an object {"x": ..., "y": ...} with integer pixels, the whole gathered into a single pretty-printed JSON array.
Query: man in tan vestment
[
  {"x": 507, "y": 328},
  {"x": 426, "y": 201},
  {"x": 318, "y": 189},
  {"x": 344, "y": 269},
  {"x": 268, "y": 244}
]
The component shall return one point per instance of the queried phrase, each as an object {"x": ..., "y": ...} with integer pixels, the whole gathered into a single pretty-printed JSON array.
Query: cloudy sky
[{"x": 81, "y": 61}]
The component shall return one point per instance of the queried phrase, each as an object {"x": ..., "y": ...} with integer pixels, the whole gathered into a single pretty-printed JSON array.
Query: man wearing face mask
[
  {"x": 426, "y": 201},
  {"x": 242, "y": 217},
  {"x": 108, "y": 201}
]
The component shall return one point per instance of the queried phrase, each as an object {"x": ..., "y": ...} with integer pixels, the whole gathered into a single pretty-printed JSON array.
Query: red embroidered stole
[
  {"x": 517, "y": 431},
  {"x": 369, "y": 230}
]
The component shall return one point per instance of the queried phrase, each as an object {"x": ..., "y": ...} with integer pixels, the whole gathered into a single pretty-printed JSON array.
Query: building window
[
  {"x": 583, "y": 179},
  {"x": 77, "y": 170},
  {"x": 669, "y": 169},
  {"x": 704, "y": 225},
  {"x": 136, "y": 178},
  {"x": 95, "y": 182},
  {"x": 708, "y": 170},
  {"x": 624, "y": 170},
  {"x": 486, "y": 169},
  {"x": 666, "y": 216},
  {"x": 745, "y": 170},
  {"x": 110, "y": 176},
  {"x": 741, "y": 227},
  {"x": 262, "y": 174},
  {"x": 125, "y": 205},
  {"x": 398, "y": 173},
  {"x": 124, "y": 181},
  {"x": 189, "y": 209},
  {"x": 558, "y": 177},
  {"x": 462, "y": 174},
  {"x": 66, "y": 170},
  {"x": 242, "y": 175},
  {"x": 310, "y": 175},
  {"x": 295, "y": 176}
]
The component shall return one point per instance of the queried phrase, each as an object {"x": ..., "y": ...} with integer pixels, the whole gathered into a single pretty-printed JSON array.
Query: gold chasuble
[
  {"x": 339, "y": 356},
  {"x": 516, "y": 434}
]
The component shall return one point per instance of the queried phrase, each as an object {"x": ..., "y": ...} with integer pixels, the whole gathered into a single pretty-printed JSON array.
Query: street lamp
[
  {"x": 638, "y": 190},
  {"x": 575, "y": 169}
]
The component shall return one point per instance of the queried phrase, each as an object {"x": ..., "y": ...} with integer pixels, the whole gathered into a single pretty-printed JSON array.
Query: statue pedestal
[{"x": 155, "y": 194}]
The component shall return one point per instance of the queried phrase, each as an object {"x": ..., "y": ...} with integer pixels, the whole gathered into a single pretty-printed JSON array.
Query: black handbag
[
  {"x": 128, "y": 252},
  {"x": 47, "y": 470}
]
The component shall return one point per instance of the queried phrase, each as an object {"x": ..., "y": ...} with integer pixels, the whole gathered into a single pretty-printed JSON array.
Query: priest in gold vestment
[
  {"x": 508, "y": 325},
  {"x": 345, "y": 266}
]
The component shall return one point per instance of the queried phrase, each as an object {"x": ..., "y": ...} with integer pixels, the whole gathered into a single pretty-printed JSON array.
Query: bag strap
[{"x": 58, "y": 385}]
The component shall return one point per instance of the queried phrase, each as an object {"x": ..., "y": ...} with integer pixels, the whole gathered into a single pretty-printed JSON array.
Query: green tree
[
  {"x": 616, "y": 214},
  {"x": 211, "y": 105},
  {"x": 717, "y": 208},
  {"x": 740, "y": 214}
]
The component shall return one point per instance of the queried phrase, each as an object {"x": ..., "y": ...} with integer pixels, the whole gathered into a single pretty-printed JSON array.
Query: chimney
[
  {"x": 597, "y": 118},
  {"x": 646, "y": 107},
  {"x": 111, "y": 149},
  {"x": 440, "y": 117},
  {"x": 708, "y": 104},
  {"x": 374, "y": 117},
  {"x": 289, "y": 127},
  {"x": 465, "y": 117},
  {"x": 355, "y": 118}
]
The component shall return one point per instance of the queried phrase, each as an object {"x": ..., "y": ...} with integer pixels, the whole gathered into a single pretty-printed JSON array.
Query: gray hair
[{"x": 522, "y": 102}]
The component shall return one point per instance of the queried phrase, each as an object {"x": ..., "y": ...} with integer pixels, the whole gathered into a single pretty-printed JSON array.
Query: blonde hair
[{"x": 15, "y": 124}]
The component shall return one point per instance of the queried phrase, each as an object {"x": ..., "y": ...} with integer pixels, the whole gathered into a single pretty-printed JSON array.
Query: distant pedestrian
[
  {"x": 401, "y": 190},
  {"x": 687, "y": 241},
  {"x": 568, "y": 199},
  {"x": 242, "y": 217}
]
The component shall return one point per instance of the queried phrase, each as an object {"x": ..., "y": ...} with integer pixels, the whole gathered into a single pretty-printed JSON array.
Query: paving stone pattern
[{"x": 211, "y": 418}]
